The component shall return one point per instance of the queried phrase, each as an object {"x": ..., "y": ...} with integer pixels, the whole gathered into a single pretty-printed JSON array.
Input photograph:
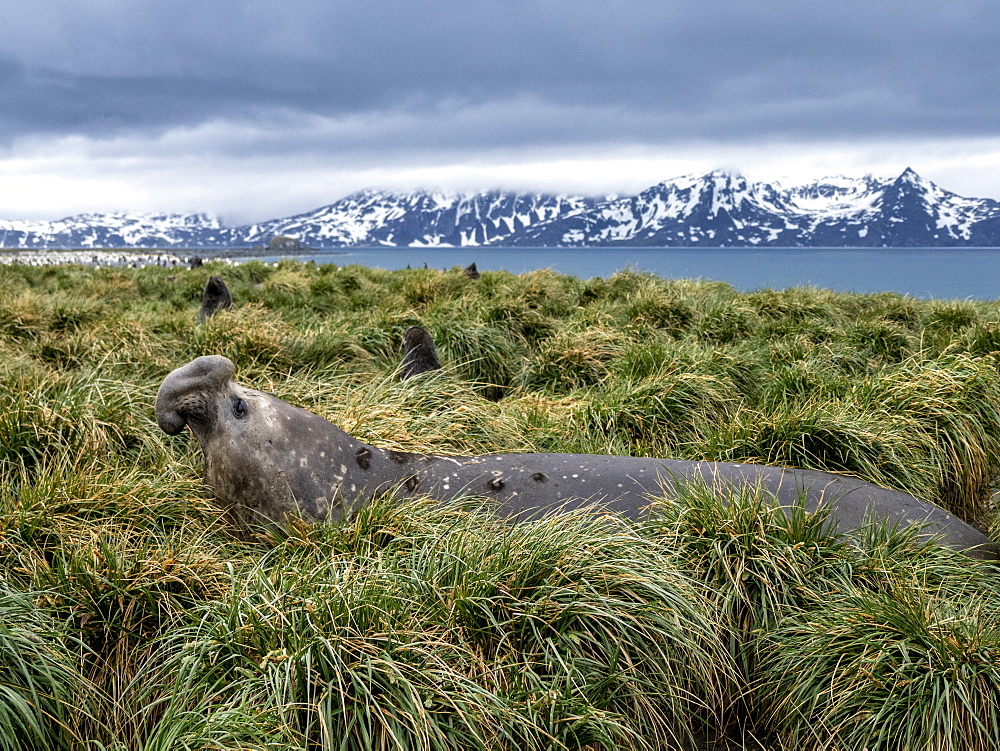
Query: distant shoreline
[{"x": 136, "y": 257}]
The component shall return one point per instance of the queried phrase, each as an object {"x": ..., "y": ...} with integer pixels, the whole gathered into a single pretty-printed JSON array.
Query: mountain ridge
[{"x": 717, "y": 209}]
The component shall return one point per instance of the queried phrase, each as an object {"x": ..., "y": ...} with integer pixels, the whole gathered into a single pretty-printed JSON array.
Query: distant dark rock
[{"x": 284, "y": 243}]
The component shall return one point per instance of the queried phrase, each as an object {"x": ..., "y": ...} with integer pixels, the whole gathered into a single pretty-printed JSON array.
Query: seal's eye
[{"x": 240, "y": 409}]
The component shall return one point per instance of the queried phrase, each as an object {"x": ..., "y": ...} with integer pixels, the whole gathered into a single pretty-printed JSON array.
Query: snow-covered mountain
[
  {"x": 717, "y": 209},
  {"x": 721, "y": 209},
  {"x": 373, "y": 217},
  {"x": 118, "y": 231}
]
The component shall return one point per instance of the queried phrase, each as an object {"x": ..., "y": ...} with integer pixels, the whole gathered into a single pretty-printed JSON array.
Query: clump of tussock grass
[
  {"x": 289, "y": 284},
  {"x": 883, "y": 341},
  {"x": 640, "y": 302},
  {"x": 116, "y": 582},
  {"x": 123, "y": 342},
  {"x": 522, "y": 321},
  {"x": 44, "y": 693},
  {"x": 795, "y": 304},
  {"x": 44, "y": 414},
  {"x": 886, "y": 306},
  {"x": 87, "y": 490},
  {"x": 725, "y": 322},
  {"x": 331, "y": 346},
  {"x": 116, "y": 552},
  {"x": 831, "y": 436},
  {"x": 118, "y": 592},
  {"x": 981, "y": 340},
  {"x": 463, "y": 632},
  {"x": 759, "y": 559},
  {"x": 571, "y": 359},
  {"x": 884, "y": 555},
  {"x": 901, "y": 669},
  {"x": 371, "y": 340},
  {"x": 23, "y": 315},
  {"x": 555, "y": 296},
  {"x": 249, "y": 335},
  {"x": 952, "y": 406},
  {"x": 799, "y": 371},
  {"x": 659, "y": 309},
  {"x": 363, "y": 289},
  {"x": 481, "y": 354},
  {"x": 436, "y": 413},
  {"x": 423, "y": 287},
  {"x": 557, "y": 424},
  {"x": 948, "y": 317},
  {"x": 119, "y": 558},
  {"x": 663, "y": 412}
]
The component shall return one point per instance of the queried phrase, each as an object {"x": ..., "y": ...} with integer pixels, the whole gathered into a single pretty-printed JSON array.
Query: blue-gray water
[{"x": 921, "y": 272}]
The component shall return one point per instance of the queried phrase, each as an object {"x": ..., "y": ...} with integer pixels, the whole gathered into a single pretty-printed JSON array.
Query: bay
[{"x": 929, "y": 273}]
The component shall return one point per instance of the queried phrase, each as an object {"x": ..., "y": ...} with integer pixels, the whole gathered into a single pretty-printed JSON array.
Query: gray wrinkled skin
[{"x": 266, "y": 459}]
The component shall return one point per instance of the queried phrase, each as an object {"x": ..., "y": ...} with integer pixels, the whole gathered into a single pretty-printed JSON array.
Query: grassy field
[{"x": 133, "y": 617}]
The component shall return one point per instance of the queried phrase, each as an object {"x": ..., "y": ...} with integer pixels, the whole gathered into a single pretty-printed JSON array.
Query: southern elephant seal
[
  {"x": 214, "y": 297},
  {"x": 266, "y": 459},
  {"x": 419, "y": 353}
]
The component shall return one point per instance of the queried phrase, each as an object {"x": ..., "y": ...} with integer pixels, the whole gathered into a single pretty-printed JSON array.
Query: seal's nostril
[{"x": 170, "y": 423}]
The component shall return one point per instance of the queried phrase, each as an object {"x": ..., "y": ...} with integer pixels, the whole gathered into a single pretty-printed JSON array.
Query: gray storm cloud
[
  {"x": 162, "y": 100},
  {"x": 639, "y": 71}
]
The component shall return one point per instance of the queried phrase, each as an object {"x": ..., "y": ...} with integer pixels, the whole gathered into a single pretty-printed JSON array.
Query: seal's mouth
[{"x": 186, "y": 392}]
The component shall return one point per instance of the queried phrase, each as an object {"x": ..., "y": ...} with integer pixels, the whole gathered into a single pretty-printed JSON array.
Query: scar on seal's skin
[
  {"x": 364, "y": 457},
  {"x": 400, "y": 457},
  {"x": 412, "y": 483},
  {"x": 539, "y": 477},
  {"x": 496, "y": 484}
]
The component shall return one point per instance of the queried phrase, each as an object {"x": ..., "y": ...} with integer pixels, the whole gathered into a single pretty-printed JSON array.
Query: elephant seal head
[{"x": 264, "y": 458}]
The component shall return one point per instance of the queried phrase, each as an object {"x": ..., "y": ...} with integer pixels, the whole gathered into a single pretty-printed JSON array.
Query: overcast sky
[{"x": 253, "y": 109}]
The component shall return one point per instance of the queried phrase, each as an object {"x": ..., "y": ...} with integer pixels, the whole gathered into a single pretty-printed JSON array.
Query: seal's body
[
  {"x": 419, "y": 353},
  {"x": 266, "y": 459},
  {"x": 214, "y": 297}
]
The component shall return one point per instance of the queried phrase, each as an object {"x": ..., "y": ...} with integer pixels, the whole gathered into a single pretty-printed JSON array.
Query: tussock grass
[
  {"x": 571, "y": 359},
  {"x": 132, "y": 617},
  {"x": 760, "y": 559},
  {"x": 42, "y": 689},
  {"x": 901, "y": 669},
  {"x": 421, "y": 627}
]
